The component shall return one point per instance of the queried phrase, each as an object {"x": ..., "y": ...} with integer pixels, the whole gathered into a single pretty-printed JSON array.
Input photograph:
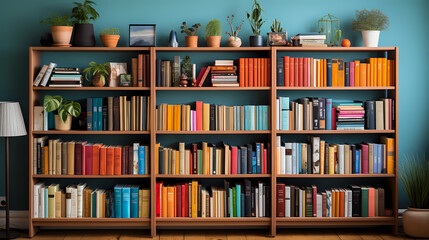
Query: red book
[
  {"x": 300, "y": 72},
  {"x": 195, "y": 158},
  {"x": 250, "y": 72},
  {"x": 296, "y": 70},
  {"x": 203, "y": 78},
  {"x": 183, "y": 200},
  {"x": 200, "y": 75},
  {"x": 96, "y": 159},
  {"x": 233, "y": 160},
  {"x": 130, "y": 160},
  {"x": 305, "y": 72},
  {"x": 117, "y": 160},
  {"x": 266, "y": 71},
  {"x": 109, "y": 160},
  {"x": 78, "y": 157},
  {"x": 314, "y": 200},
  {"x": 88, "y": 159},
  {"x": 186, "y": 200},
  {"x": 83, "y": 159},
  {"x": 364, "y": 158},
  {"x": 291, "y": 72},
  {"x": 124, "y": 156},
  {"x": 246, "y": 72},
  {"x": 158, "y": 199},
  {"x": 178, "y": 201},
  {"x": 241, "y": 71},
  {"x": 269, "y": 71},
  {"x": 140, "y": 70},
  {"x": 371, "y": 207},
  {"x": 103, "y": 160},
  {"x": 265, "y": 162},
  {"x": 280, "y": 195},
  {"x": 261, "y": 72},
  {"x": 334, "y": 119},
  {"x": 286, "y": 70},
  {"x": 191, "y": 161},
  {"x": 255, "y": 72},
  {"x": 199, "y": 109}
]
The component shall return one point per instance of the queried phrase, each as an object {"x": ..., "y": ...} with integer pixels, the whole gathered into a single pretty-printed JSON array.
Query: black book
[
  {"x": 248, "y": 198},
  {"x": 309, "y": 159},
  {"x": 242, "y": 205},
  {"x": 226, "y": 186},
  {"x": 322, "y": 116},
  {"x": 353, "y": 149},
  {"x": 326, "y": 158},
  {"x": 158, "y": 72},
  {"x": 212, "y": 117},
  {"x": 280, "y": 72},
  {"x": 144, "y": 113},
  {"x": 109, "y": 204},
  {"x": 161, "y": 160},
  {"x": 214, "y": 157},
  {"x": 199, "y": 200},
  {"x": 370, "y": 115},
  {"x": 249, "y": 159},
  {"x": 308, "y": 202},
  {"x": 253, "y": 208},
  {"x": 39, "y": 158},
  {"x": 116, "y": 114},
  {"x": 315, "y": 113},
  {"x": 267, "y": 201},
  {"x": 292, "y": 201},
  {"x": 104, "y": 114},
  {"x": 268, "y": 158},
  {"x": 347, "y": 74},
  {"x": 243, "y": 159},
  {"x": 356, "y": 198},
  {"x": 297, "y": 203}
]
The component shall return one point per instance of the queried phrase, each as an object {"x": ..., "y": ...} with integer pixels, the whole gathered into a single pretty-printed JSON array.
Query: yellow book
[
  {"x": 181, "y": 158},
  {"x": 334, "y": 72},
  {"x": 58, "y": 204},
  {"x": 393, "y": 73},
  {"x": 206, "y": 116},
  {"x": 157, "y": 157},
  {"x": 390, "y": 153},
  {"x": 318, "y": 72},
  {"x": 170, "y": 117},
  {"x": 379, "y": 72},
  {"x": 146, "y": 203},
  {"x": 103, "y": 204},
  {"x": 70, "y": 158},
  {"x": 374, "y": 72},
  {"x": 63, "y": 204},
  {"x": 341, "y": 72},
  {"x": 46, "y": 149},
  {"x": 205, "y": 159},
  {"x": 140, "y": 202},
  {"x": 52, "y": 189},
  {"x": 194, "y": 198},
  {"x": 389, "y": 73},
  {"x": 170, "y": 201},
  {"x": 164, "y": 201},
  {"x": 384, "y": 70},
  {"x": 322, "y": 157},
  {"x": 177, "y": 162},
  {"x": 357, "y": 72},
  {"x": 183, "y": 112},
  {"x": 331, "y": 160},
  {"x": 368, "y": 75},
  {"x": 58, "y": 158},
  {"x": 303, "y": 202},
  {"x": 177, "y": 117}
]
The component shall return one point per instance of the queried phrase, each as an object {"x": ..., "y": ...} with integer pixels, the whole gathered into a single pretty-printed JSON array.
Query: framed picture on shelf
[
  {"x": 142, "y": 35},
  {"x": 116, "y": 69}
]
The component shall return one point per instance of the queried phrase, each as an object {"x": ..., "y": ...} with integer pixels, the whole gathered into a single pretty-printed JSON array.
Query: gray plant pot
[{"x": 256, "y": 41}]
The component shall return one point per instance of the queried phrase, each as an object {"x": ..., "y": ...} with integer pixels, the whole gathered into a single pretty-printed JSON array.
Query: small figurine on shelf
[
  {"x": 183, "y": 80},
  {"x": 173, "y": 39}
]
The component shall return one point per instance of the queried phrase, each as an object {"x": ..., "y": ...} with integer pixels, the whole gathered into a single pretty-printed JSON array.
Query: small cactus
[{"x": 276, "y": 27}]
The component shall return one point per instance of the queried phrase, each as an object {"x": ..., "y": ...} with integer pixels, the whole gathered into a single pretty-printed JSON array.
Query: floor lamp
[{"x": 11, "y": 125}]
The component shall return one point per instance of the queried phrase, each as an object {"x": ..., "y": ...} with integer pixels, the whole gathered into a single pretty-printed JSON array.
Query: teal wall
[{"x": 20, "y": 29}]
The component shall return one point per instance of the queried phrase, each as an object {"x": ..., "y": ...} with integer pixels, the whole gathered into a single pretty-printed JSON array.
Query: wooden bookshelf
[{"x": 271, "y": 223}]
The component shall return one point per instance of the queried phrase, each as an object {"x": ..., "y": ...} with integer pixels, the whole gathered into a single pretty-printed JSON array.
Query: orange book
[
  {"x": 371, "y": 199},
  {"x": 341, "y": 203},
  {"x": 362, "y": 75},
  {"x": 206, "y": 117},
  {"x": 393, "y": 74},
  {"x": 177, "y": 117},
  {"x": 260, "y": 71},
  {"x": 389, "y": 72},
  {"x": 337, "y": 203},
  {"x": 296, "y": 74},
  {"x": 390, "y": 153},
  {"x": 340, "y": 79},
  {"x": 246, "y": 72},
  {"x": 384, "y": 72},
  {"x": 300, "y": 72},
  {"x": 269, "y": 71},
  {"x": 357, "y": 73},
  {"x": 264, "y": 69},
  {"x": 368, "y": 75},
  {"x": 117, "y": 160},
  {"x": 334, "y": 72},
  {"x": 255, "y": 72},
  {"x": 291, "y": 72},
  {"x": 266, "y": 72},
  {"x": 46, "y": 149},
  {"x": 379, "y": 72},
  {"x": 241, "y": 71},
  {"x": 170, "y": 117},
  {"x": 286, "y": 70},
  {"x": 103, "y": 159},
  {"x": 334, "y": 213},
  {"x": 164, "y": 201},
  {"x": 250, "y": 72},
  {"x": 194, "y": 199},
  {"x": 177, "y": 162},
  {"x": 324, "y": 73},
  {"x": 291, "y": 118},
  {"x": 199, "y": 113},
  {"x": 96, "y": 159},
  {"x": 374, "y": 72},
  {"x": 109, "y": 161}
]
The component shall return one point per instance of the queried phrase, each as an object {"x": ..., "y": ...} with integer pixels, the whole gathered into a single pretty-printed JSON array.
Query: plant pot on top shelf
[
  {"x": 255, "y": 20},
  {"x": 83, "y": 35},
  {"x": 191, "y": 37},
  {"x": 191, "y": 41},
  {"x": 61, "y": 30},
  {"x": 370, "y": 23},
  {"x": 213, "y": 33},
  {"x": 256, "y": 41},
  {"x": 233, "y": 40},
  {"x": 110, "y": 37}
]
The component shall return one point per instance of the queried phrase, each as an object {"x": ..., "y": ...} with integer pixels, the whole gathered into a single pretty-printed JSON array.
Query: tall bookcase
[{"x": 390, "y": 181}]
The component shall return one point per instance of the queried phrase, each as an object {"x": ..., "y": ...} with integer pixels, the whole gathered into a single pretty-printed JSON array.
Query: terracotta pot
[
  {"x": 213, "y": 41},
  {"x": 109, "y": 40},
  {"x": 415, "y": 222},
  {"x": 61, "y": 35},
  {"x": 97, "y": 80},
  {"x": 191, "y": 41},
  {"x": 234, "y": 41},
  {"x": 59, "y": 125}
]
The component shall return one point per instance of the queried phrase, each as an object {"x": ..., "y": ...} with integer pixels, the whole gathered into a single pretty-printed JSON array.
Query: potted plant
[
  {"x": 65, "y": 109},
  {"x": 277, "y": 37},
  {"x": 83, "y": 13},
  {"x": 99, "y": 73},
  {"x": 234, "y": 40},
  {"x": 213, "y": 33},
  {"x": 191, "y": 37},
  {"x": 370, "y": 23},
  {"x": 414, "y": 176},
  {"x": 255, "y": 20},
  {"x": 109, "y": 37},
  {"x": 61, "y": 29}
]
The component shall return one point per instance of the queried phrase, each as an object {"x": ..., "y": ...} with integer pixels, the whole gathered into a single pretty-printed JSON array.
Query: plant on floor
[
  {"x": 255, "y": 18},
  {"x": 62, "y": 107},
  {"x": 84, "y": 12},
  {"x": 373, "y": 20},
  {"x": 57, "y": 20},
  {"x": 414, "y": 176},
  {"x": 109, "y": 31},
  {"x": 99, "y": 73},
  {"x": 192, "y": 31},
  {"x": 276, "y": 26}
]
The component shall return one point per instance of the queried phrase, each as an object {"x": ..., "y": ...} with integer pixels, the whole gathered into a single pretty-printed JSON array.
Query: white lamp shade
[{"x": 11, "y": 120}]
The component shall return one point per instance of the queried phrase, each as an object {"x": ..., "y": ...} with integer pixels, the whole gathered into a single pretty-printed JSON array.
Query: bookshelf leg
[
  {"x": 395, "y": 230},
  {"x": 32, "y": 231}
]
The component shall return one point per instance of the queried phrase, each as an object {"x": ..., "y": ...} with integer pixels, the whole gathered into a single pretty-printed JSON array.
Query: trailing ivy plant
[
  {"x": 57, "y": 20},
  {"x": 370, "y": 20},
  {"x": 84, "y": 12},
  {"x": 62, "y": 106},
  {"x": 255, "y": 19},
  {"x": 414, "y": 176}
]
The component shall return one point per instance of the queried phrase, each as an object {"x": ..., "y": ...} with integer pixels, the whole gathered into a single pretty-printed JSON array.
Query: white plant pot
[{"x": 370, "y": 38}]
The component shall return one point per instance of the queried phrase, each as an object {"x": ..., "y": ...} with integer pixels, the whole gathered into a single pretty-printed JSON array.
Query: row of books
[
  {"x": 254, "y": 72},
  {"x": 320, "y": 157},
  {"x": 311, "y": 72},
  {"x": 241, "y": 199},
  {"x": 168, "y": 72},
  {"x": 211, "y": 117},
  {"x": 140, "y": 71},
  {"x": 213, "y": 160},
  {"x": 356, "y": 201},
  {"x": 54, "y": 157},
  {"x": 329, "y": 114},
  {"x": 123, "y": 113},
  {"x": 80, "y": 201}
]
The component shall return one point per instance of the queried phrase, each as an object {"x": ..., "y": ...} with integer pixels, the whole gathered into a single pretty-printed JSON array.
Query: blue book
[
  {"x": 100, "y": 114},
  {"x": 329, "y": 72},
  {"x": 94, "y": 114},
  {"x": 280, "y": 72},
  {"x": 89, "y": 114},
  {"x": 258, "y": 158},
  {"x": 51, "y": 121},
  {"x": 328, "y": 114},
  {"x": 374, "y": 157},
  {"x": 243, "y": 205},
  {"x": 238, "y": 196},
  {"x": 142, "y": 153},
  {"x": 285, "y": 113},
  {"x": 357, "y": 162},
  {"x": 94, "y": 203},
  {"x": 380, "y": 157},
  {"x": 118, "y": 200},
  {"x": 238, "y": 160},
  {"x": 66, "y": 75},
  {"x": 253, "y": 162},
  {"x": 259, "y": 117},
  {"x": 126, "y": 201},
  {"x": 230, "y": 201},
  {"x": 135, "y": 201},
  {"x": 347, "y": 74},
  {"x": 251, "y": 117},
  {"x": 298, "y": 166},
  {"x": 243, "y": 160},
  {"x": 46, "y": 202},
  {"x": 246, "y": 118}
]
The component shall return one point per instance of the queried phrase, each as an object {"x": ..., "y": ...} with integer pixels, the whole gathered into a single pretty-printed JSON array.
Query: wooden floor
[{"x": 293, "y": 234}]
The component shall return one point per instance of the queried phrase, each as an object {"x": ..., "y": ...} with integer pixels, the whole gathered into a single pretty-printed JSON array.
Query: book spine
[{"x": 280, "y": 71}]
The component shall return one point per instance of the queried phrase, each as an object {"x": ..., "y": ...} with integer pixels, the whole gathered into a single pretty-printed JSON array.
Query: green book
[
  {"x": 234, "y": 202},
  {"x": 364, "y": 202},
  {"x": 308, "y": 202},
  {"x": 230, "y": 204},
  {"x": 200, "y": 161}
]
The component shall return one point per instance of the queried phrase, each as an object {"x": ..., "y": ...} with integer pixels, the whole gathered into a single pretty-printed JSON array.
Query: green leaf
[
  {"x": 51, "y": 104},
  {"x": 73, "y": 108}
]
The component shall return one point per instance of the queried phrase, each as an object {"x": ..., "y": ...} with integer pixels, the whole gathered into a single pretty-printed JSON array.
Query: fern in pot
[
  {"x": 414, "y": 176},
  {"x": 370, "y": 23},
  {"x": 63, "y": 109}
]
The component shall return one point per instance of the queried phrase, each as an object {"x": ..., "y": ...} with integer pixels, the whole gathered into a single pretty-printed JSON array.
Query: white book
[
  {"x": 311, "y": 37},
  {"x": 136, "y": 158},
  {"x": 319, "y": 205},
  {"x": 42, "y": 202},
  {"x": 68, "y": 202},
  {"x": 350, "y": 202},
  {"x": 97, "y": 199},
  {"x": 38, "y": 115},
  {"x": 282, "y": 160},
  {"x": 182, "y": 158},
  {"x": 257, "y": 202},
  {"x": 224, "y": 62},
  {"x": 295, "y": 156},
  {"x": 328, "y": 203},
  {"x": 288, "y": 165},
  {"x": 300, "y": 203},
  {"x": 211, "y": 207},
  {"x": 48, "y": 73},
  {"x": 279, "y": 113},
  {"x": 261, "y": 191},
  {"x": 36, "y": 193},
  {"x": 40, "y": 75},
  {"x": 80, "y": 188},
  {"x": 316, "y": 154},
  {"x": 73, "y": 190},
  {"x": 341, "y": 158},
  {"x": 346, "y": 203},
  {"x": 287, "y": 201},
  {"x": 263, "y": 202},
  {"x": 45, "y": 120},
  {"x": 314, "y": 69}
]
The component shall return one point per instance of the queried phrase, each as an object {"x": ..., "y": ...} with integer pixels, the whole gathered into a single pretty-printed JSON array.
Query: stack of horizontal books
[
  {"x": 224, "y": 74},
  {"x": 66, "y": 77}
]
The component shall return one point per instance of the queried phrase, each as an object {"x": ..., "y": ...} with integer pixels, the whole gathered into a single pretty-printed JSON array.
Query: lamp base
[{"x": 12, "y": 234}]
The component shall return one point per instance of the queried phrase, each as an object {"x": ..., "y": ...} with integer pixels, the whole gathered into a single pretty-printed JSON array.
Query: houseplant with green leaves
[
  {"x": 256, "y": 22},
  {"x": 233, "y": 40},
  {"x": 84, "y": 13},
  {"x": 63, "y": 109},
  {"x": 191, "y": 37},
  {"x": 110, "y": 37},
  {"x": 98, "y": 72},
  {"x": 61, "y": 29},
  {"x": 414, "y": 176},
  {"x": 277, "y": 37},
  {"x": 213, "y": 33},
  {"x": 370, "y": 23}
]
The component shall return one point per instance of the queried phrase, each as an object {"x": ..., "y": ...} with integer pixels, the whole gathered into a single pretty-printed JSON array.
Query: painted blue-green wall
[{"x": 20, "y": 29}]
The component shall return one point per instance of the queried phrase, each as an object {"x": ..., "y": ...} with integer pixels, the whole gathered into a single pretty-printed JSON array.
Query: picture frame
[{"x": 142, "y": 35}]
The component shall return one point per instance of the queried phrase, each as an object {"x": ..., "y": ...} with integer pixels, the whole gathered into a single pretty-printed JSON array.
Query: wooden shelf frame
[{"x": 273, "y": 222}]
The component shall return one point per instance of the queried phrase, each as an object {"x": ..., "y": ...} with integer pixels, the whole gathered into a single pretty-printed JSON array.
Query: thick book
[
  {"x": 280, "y": 196},
  {"x": 280, "y": 72}
]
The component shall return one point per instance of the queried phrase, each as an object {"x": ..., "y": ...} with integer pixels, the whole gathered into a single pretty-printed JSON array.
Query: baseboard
[{"x": 18, "y": 219}]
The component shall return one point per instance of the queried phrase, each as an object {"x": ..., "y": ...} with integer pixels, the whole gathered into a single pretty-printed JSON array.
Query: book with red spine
[
  {"x": 280, "y": 203},
  {"x": 199, "y": 112},
  {"x": 110, "y": 166},
  {"x": 314, "y": 200},
  {"x": 296, "y": 72},
  {"x": 291, "y": 72},
  {"x": 300, "y": 72},
  {"x": 286, "y": 70},
  {"x": 186, "y": 199},
  {"x": 88, "y": 159},
  {"x": 250, "y": 72},
  {"x": 195, "y": 158},
  {"x": 255, "y": 72},
  {"x": 200, "y": 75},
  {"x": 241, "y": 71},
  {"x": 103, "y": 152},
  {"x": 265, "y": 161},
  {"x": 183, "y": 200},
  {"x": 233, "y": 160},
  {"x": 334, "y": 118},
  {"x": 178, "y": 201},
  {"x": 158, "y": 199},
  {"x": 117, "y": 153},
  {"x": 246, "y": 72}
]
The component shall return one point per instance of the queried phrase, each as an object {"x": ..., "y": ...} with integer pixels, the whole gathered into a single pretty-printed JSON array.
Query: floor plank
[
  {"x": 194, "y": 235},
  {"x": 171, "y": 235},
  {"x": 215, "y": 235},
  {"x": 235, "y": 235}
]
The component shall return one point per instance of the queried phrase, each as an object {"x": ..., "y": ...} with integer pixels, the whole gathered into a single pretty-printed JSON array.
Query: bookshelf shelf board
[
  {"x": 212, "y": 88},
  {"x": 211, "y": 49},
  {"x": 92, "y": 88},
  {"x": 333, "y": 221},
  {"x": 41, "y": 176},
  {"x": 334, "y": 49},
  {"x": 336, "y": 88},
  {"x": 84, "y": 132},
  {"x": 90, "y": 49},
  {"x": 336, "y": 132},
  {"x": 381, "y": 175},
  {"x": 214, "y": 176},
  {"x": 214, "y": 132},
  {"x": 135, "y": 222},
  {"x": 180, "y": 221}
]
